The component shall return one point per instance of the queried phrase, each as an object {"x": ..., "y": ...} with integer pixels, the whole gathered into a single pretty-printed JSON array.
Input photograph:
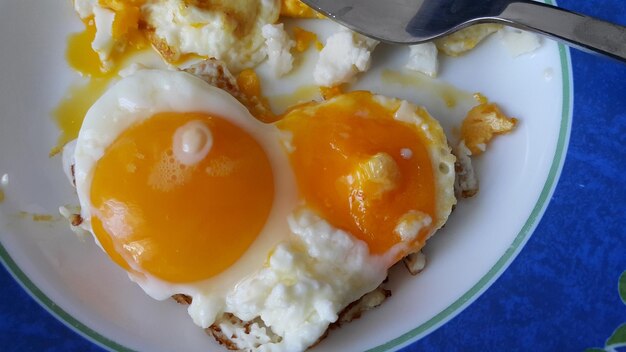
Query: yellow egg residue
[
  {"x": 482, "y": 124},
  {"x": 187, "y": 59},
  {"x": 37, "y": 217},
  {"x": 449, "y": 94},
  {"x": 303, "y": 94},
  {"x": 69, "y": 113},
  {"x": 127, "y": 22},
  {"x": 82, "y": 58},
  {"x": 297, "y": 9},
  {"x": 250, "y": 87},
  {"x": 304, "y": 38},
  {"x": 300, "y": 95},
  {"x": 466, "y": 39},
  {"x": 330, "y": 92},
  {"x": 79, "y": 54}
]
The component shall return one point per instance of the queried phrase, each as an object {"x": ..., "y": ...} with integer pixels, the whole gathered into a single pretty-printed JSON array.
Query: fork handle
[{"x": 581, "y": 31}]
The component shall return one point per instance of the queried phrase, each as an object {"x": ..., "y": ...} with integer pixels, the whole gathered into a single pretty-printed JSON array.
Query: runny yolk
[
  {"x": 82, "y": 58},
  {"x": 304, "y": 39},
  {"x": 348, "y": 159},
  {"x": 70, "y": 112},
  {"x": 250, "y": 86},
  {"x": 180, "y": 223},
  {"x": 297, "y": 9}
]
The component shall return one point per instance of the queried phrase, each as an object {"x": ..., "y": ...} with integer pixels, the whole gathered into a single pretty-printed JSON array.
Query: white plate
[{"x": 78, "y": 284}]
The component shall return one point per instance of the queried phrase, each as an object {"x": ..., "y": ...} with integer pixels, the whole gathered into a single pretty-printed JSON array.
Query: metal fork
[{"x": 417, "y": 21}]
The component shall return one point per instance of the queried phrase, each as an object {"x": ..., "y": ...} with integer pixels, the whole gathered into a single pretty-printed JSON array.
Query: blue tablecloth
[{"x": 560, "y": 294}]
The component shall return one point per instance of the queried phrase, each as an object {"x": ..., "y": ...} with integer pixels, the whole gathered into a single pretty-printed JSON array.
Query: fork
[{"x": 417, "y": 21}]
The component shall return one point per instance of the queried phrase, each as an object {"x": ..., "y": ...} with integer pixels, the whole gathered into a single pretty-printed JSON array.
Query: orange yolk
[
  {"x": 250, "y": 86},
  {"x": 70, "y": 112},
  {"x": 126, "y": 24},
  {"x": 304, "y": 39},
  {"x": 330, "y": 92},
  {"x": 126, "y": 30},
  {"x": 297, "y": 9},
  {"x": 180, "y": 223},
  {"x": 80, "y": 55},
  {"x": 347, "y": 160}
]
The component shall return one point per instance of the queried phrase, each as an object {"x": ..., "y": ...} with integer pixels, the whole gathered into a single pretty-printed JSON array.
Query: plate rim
[{"x": 425, "y": 328}]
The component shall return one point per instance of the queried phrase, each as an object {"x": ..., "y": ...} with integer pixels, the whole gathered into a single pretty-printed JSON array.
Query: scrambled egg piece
[
  {"x": 466, "y": 39},
  {"x": 423, "y": 58},
  {"x": 345, "y": 55},
  {"x": 278, "y": 46},
  {"x": 482, "y": 123}
]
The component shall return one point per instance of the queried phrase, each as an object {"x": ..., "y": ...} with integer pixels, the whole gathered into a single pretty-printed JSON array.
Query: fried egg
[
  {"x": 161, "y": 160},
  {"x": 280, "y": 225}
]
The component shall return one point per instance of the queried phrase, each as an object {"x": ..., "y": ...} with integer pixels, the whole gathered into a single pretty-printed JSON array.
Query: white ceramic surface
[{"x": 77, "y": 282}]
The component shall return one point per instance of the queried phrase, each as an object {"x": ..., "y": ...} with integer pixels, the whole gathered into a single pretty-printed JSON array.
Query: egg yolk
[
  {"x": 304, "y": 39},
  {"x": 361, "y": 169},
  {"x": 126, "y": 24},
  {"x": 180, "y": 222},
  {"x": 297, "y": 9},
  {"x": 82, "y": 58},
  {"x": 250, "y": 87}
]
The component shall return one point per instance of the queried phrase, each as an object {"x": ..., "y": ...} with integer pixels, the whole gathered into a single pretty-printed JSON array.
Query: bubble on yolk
[
  {"x": 348, "y": 160},
  {"x": 192, "y": 142},
  {"x": 177, "y": 222}
]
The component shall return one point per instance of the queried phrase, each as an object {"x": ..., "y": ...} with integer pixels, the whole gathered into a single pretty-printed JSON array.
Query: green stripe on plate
[{"x": 53, "y": 309}]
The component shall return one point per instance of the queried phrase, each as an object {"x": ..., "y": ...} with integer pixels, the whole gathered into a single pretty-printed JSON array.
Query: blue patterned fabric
[{"x": 560, "y": 294}]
